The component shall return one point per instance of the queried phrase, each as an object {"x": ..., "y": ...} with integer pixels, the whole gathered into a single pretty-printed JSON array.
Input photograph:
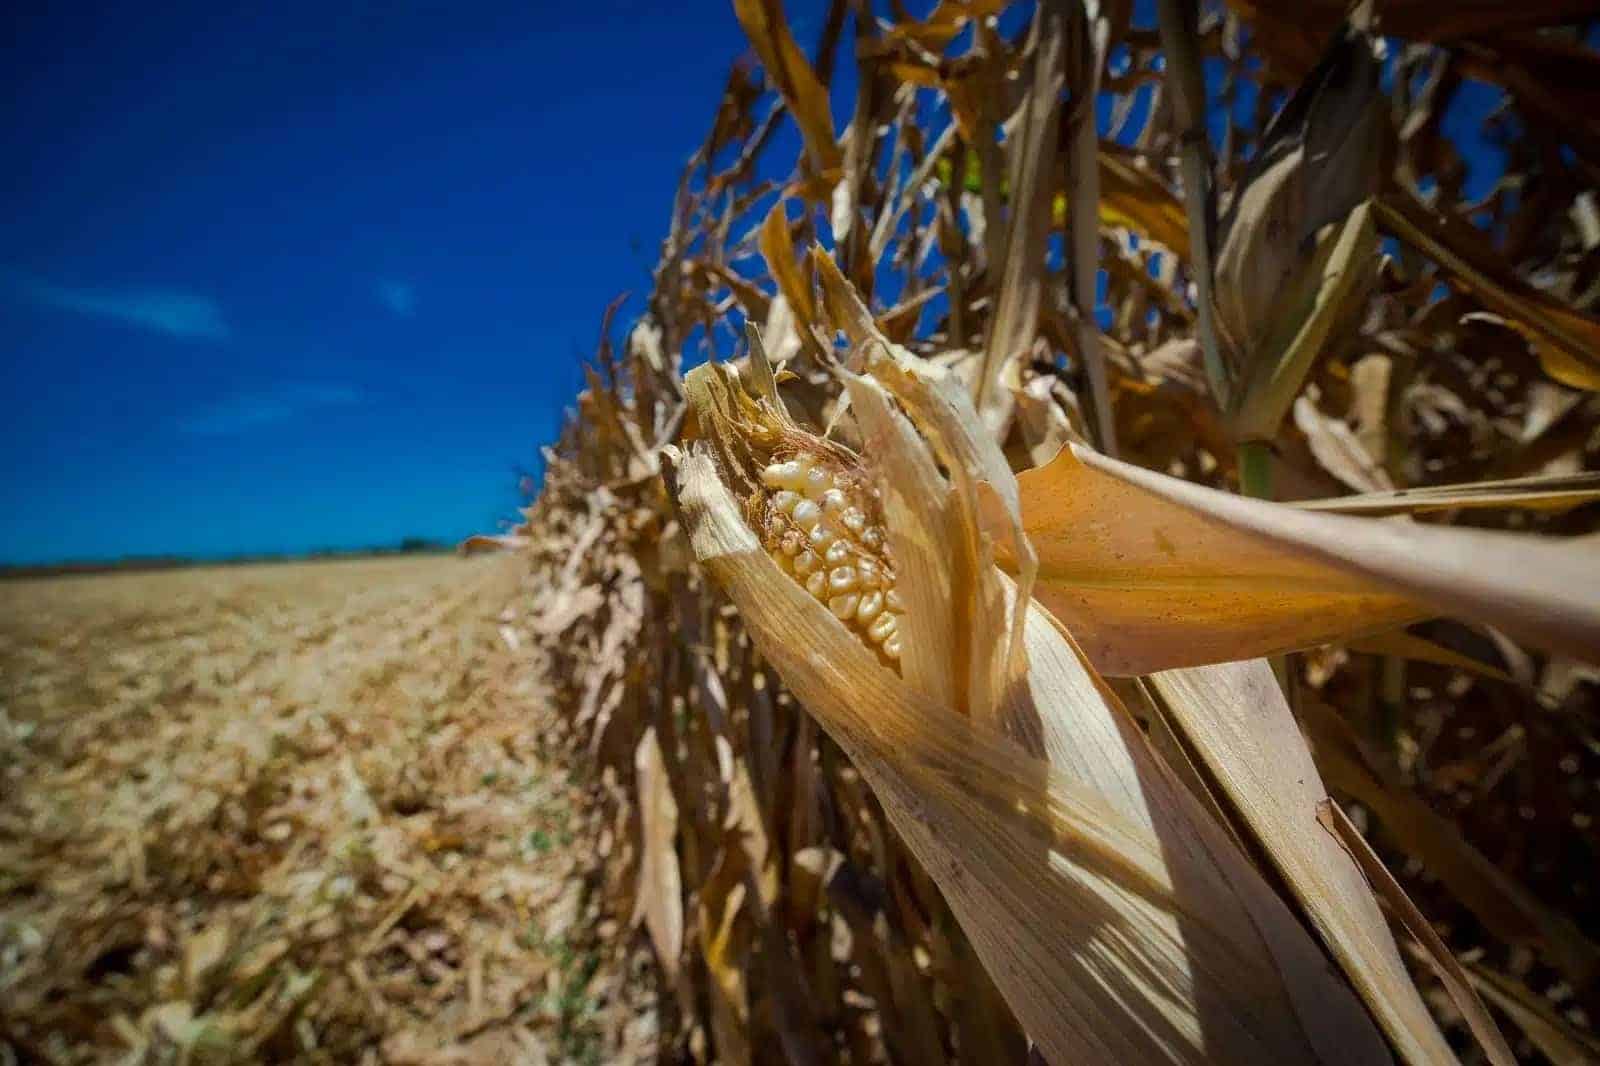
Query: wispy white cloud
[
  {"x": 169, "y": 311},
  {"x": 246, "y": 411},
  {"x": 398, "y": 296}
]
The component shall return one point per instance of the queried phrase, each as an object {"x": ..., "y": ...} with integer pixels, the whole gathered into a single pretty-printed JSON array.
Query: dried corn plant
[{"x": 920, "y": 638}]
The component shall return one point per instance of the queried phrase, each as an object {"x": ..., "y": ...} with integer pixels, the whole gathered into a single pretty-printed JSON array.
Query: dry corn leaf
[
  {"x": 1567, "y": 340},
  {"x": 1445, "y": 965},
  {"x": 1337, "y": 449},
  {"x": 1145, "y": 585},
  {"x": 1132, "y": 196},
  {"x": 1563, "y": 1043},
  {"x": 1499, "y": 902},
  {"x": 796, "y": 80},
  {"x": 944, "y": 22},
  {"x": 1280, "y": 292},
  {"x": 1409, "y": 646},
  {"x": 1150, "y": 572},
  {"x": 1235, "y": 717},
  {"x": 1555, "y": 492},
  {"x": 1324, "y": 298},
  {"x": 1118, "y": 920},
  {"x": 777, "y": 248},
  {"x": 1032, "y": 150},
  {"x": 725, "y": 942},
  {"x": 660, "y": 899}
]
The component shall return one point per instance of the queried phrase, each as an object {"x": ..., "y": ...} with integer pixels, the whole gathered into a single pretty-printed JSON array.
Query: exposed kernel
[
  {"x": 817, "y": 482},
  {"x": 815, "y": 516},
  {"x": 781, "y": 475},
  {"x": 844, "y": 607},
  {"x": 882, "y": 626}
]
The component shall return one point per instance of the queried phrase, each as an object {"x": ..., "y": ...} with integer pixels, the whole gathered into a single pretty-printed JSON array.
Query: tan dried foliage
[
  {"x": 294, "y": 812},
  {"x": 847, "y": 840}
]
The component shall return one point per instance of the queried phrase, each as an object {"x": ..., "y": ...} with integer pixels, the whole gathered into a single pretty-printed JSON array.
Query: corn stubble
[{"x": 934, "y": 673}]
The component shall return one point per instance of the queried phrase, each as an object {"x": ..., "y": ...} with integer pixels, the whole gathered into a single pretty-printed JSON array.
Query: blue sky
[
  {"x": 279, "y": 277},
  {"x": 283, "y": 277}
]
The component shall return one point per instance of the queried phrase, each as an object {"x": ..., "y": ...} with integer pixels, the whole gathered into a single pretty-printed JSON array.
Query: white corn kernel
[
  {"x": 786, "y": 501},
  {"x": 842, "y": 579},
  {"x": 781, "y": 475},
  {"x": 881, "y": 627},
  {"x": 807, "y": 514},
  {"x": 805, "y": 563},
  {"x": 817, "y": 584},
  {"x": 891, "y": 647},
  {"x": 838, "y": 553},
  {"x": 870, "y": 606},
  {"x": 844, "y": 607},
  {"x": 834, "y": 501},
  {"x": 817, "y": 481}
]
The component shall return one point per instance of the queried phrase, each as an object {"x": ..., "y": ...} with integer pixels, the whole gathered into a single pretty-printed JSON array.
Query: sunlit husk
[{"x": 1118, "y": 921}]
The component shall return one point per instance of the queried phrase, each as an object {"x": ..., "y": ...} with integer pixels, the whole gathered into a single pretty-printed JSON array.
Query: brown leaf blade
[
  {"x": 1236, "y": 718},
  {"x": 1567, "y": 341},
  {"x": 1556, "y": 492},
  {"x": 803, "y": 93},
  {"x": 660, "y": 899},
  {"x": 1151, "y": 572},
  {"x": 1333, "y": 818}
]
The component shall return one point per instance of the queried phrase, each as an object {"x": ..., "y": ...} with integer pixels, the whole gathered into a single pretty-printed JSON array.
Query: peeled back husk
[{"x": 1118, "y": 920}]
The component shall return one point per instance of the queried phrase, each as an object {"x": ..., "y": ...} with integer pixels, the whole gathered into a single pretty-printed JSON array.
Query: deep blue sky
[{"x": 282, "y": 276}]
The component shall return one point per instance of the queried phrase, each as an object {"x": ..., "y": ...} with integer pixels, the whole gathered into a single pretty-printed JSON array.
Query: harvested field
[{"x": 299, "y": 812}]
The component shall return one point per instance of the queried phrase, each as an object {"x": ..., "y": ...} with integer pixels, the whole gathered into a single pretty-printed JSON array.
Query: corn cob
[{"x": 815, "y": 519}]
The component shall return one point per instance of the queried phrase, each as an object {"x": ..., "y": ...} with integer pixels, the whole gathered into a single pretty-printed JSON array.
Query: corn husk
[{"x": 1118, "y": 920}]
